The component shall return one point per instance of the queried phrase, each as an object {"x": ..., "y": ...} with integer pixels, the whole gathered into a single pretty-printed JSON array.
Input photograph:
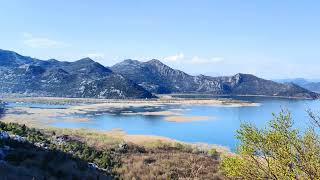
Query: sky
[{"x": 269, "y": 38}]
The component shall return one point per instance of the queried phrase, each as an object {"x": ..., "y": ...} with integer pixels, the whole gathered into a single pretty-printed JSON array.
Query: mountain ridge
[
  {"x": 83, "y": 78},
  {"x": 164, "y": 79},
  {"x": 126, "y": 79}
]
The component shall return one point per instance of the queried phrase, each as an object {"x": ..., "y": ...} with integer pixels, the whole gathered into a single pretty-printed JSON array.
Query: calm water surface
[{"x": 219, "y": 129}]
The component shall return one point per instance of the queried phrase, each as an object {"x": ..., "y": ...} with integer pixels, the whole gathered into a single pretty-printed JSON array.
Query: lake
[{"x": 219, "y": 128}]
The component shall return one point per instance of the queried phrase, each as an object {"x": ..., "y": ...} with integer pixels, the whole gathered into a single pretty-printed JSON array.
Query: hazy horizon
[{"x": 270, "y": 39}]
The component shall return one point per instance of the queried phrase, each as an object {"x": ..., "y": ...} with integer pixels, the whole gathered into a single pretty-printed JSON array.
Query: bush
[
  {"x": 183, "y": 147},
  {"x": 276, "y": 152},
  {"x": 213, "y": 152}
]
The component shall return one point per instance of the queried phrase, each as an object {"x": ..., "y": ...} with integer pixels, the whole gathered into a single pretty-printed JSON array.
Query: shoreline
[
  {"x": 161, "y": 100},
  {"x": 83, "y": 109},
  {"x": 230, "y": 96},
  {"x": 44, "y": 118},
  {"x": 159, "y": 97},
  {"x": 102, "y": 138}
]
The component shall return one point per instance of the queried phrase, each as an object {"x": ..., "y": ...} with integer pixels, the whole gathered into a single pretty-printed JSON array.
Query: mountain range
[
  {"x": 127, "y": 79},
  {"x": 312, "y": 85},
  {"x": 83, "y": 78},
  {"x": 157, "y": 77}
]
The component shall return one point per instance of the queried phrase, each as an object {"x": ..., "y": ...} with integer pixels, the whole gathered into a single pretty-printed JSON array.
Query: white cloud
[
  {"x": 26, "y": 35},
  {"x": 41, "y": 42},
  {"x": 182, "y": 59},
  {"x": 96, "y": 55},
  {"x": 199, "y": 60},
  {"x": 216, "y": 59},
  {"x": 174, "y": 58}
]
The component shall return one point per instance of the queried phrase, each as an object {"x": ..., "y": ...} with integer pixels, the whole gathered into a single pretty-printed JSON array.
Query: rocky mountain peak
[
  {"x": 85, "y": 60},
  {"x": 155, "y": 62},
  {"x": 6, "y": 52},
  {"x": 157, "y": 66},
  {"x": 236, "y": 79},
  {"x": 242, "y": 75},
  {"x": 10, "y": 58},
  {"x": 53, "y": 60},
  {"x": 131, "y": 61}
]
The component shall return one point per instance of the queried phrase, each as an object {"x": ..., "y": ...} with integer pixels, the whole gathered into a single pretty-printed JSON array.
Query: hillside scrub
[
  {"x": 76, "y": 154},
  {"x": 42, "y": 153},
  {"x": 169, "y": 164},
  {"x": 278, "y": 151}
]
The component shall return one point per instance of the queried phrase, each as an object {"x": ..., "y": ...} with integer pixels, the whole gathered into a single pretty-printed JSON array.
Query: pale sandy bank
[{"x": 186, "y": 118}]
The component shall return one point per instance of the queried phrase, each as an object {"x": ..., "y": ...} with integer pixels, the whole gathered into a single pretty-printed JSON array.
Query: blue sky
[{"x": 269, "y": 38}]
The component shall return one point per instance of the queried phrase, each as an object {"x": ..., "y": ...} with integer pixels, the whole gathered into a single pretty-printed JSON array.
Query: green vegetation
[
  {"x": 213, "y": 152},
  {"x": 183, "y": 147},
  {"x": 59, "y": 151},
  {"x": 31, "y": 134},
  {"x": 276, "y": 152}
]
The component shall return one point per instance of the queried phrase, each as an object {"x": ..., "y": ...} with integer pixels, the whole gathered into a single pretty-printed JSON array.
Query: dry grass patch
[
  {"x": 92, "y": 138},
  {"x": 169, "y": 164}
]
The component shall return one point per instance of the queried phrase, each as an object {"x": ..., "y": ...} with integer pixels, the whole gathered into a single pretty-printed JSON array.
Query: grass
[
  {"x": 92, "y": 138},
  {"x": 169, "y": 163}
]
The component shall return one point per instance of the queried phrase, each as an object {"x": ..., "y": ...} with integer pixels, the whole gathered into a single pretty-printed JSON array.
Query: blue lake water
[{"x": 219, "y": 129}]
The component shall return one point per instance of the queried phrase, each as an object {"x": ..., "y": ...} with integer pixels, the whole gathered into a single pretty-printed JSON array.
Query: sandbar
[{"x": 186, "y": 118}]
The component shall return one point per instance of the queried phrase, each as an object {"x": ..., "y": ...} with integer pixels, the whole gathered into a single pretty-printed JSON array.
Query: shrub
[
  {"x": 213, "y": 152},
  {"x": 183, "y": 147},
  {"x": 276, "y": 152}
]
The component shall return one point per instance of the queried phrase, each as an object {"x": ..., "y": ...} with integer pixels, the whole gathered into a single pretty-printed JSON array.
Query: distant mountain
[
  {"x": 312, "y": 85},
  {"x": 82, "y": 78},
  {"x": 246, "y": 84},
  {"x": 157, "y": 77}
]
